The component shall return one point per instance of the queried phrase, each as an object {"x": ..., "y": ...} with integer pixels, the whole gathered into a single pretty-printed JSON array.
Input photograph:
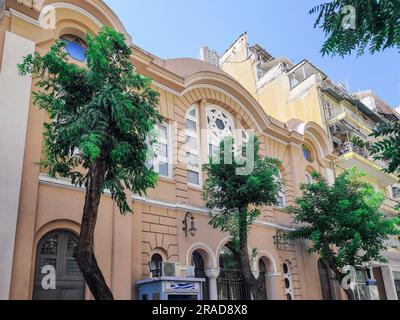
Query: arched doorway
[
  {"x": 325, "y": 281},
  {"x": 263, "y": 277},
  {"x": 231, "y": 283},
  {"x": 200, "y": 272},
  {"x": 57, "y": 251}
]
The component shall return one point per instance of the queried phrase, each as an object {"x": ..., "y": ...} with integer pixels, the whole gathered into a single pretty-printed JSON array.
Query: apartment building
[{"x": 288, "y": 90}]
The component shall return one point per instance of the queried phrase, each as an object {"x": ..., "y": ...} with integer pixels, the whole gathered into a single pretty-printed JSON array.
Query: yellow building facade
[
  {"x": 41, "y": 216},
  {"x": 301, "y": 91}
]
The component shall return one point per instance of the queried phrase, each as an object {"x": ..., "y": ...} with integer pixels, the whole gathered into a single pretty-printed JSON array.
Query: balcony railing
[
  {"x": 393, "y": 243},
  {"x": 350, "y": 147},
  {"x": 335, "y": 112},
  {"x": 390, "y": 205}
]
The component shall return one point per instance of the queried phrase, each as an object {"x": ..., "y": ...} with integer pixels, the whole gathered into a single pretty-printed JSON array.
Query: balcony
[
  {"x": 393, "y": 243},
  {"x": 390, "y": 205},
  {"x": 338, "y": 114},
  {"x": 350, "y": 156}
]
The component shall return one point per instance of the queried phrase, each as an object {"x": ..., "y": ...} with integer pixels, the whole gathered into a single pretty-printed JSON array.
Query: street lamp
[{"x": 192, "y": 231}]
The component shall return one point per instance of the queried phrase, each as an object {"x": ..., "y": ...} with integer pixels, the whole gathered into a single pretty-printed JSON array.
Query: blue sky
[{"x": 178, "y": 28}]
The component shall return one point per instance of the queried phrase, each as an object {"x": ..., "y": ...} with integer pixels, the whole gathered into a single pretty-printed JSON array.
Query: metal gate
[{"x": 232, "y": 286}]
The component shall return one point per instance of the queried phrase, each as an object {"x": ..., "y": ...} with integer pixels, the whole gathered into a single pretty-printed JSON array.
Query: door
[{"x": 58, "y": 250}]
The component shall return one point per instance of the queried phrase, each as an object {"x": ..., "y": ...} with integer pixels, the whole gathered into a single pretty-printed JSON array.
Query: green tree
[
  {"x": 101, "y": 115},
  {"x": 355, "y": 25},
  {"x": 343, "y": 222},
  {"x": 388, "y": 146},
  {"x": 235, "y": 196}
]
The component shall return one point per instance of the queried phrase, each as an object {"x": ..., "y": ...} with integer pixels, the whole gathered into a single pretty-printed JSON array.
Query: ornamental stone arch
[
  {"x": 206, "y": 253},
  {"x": 220, "y": 98},
  {"x": 96, "y": 10},
  {"x": 314, "y": 135}
]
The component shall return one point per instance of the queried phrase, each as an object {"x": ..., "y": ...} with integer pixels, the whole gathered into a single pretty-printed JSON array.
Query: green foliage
[
  {"x": 102, "y": 111},
  {"x": 343, "y": 221},
  {"x": 232, "y": 194},
  {"x": 358, "y": 142},
  {"x": 388, "y": 146},
  {"x": 377, "y": 26}
]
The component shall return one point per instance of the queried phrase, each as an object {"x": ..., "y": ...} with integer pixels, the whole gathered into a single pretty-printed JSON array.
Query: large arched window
[
  {"x": 325, "y": 281},
  {"x": 193, "y": 146},
  {"x": 75, "y": 47},
  {"x": 219, "y": 125},
  {"x": 57, "y": 252}
]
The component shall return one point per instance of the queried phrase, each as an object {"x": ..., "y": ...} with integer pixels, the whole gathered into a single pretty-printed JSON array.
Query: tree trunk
[
  {"x": 339, "y": 276},
  {"x": 350, "y": 294},
  {"x": 254, "y": 284},
  {"x": 86, "y": 258}
]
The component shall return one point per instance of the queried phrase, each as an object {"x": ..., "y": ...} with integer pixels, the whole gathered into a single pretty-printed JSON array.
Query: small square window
[
  {"x": 163, "y": 169},
  {"x": 193, "y": 177}
]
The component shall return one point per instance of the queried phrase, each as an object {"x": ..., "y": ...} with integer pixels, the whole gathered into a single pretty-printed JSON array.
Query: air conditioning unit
[{"x": 168, "y": 269}]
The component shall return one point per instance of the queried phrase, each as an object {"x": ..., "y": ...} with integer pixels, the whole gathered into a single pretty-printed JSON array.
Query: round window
[
  {"x": 287, "y": 283},
  {"x": 285, "y": 268}
]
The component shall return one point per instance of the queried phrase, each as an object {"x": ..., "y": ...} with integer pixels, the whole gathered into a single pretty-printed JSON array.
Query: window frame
[
  {"x": 209, "y": 137},
  {"x": 306, "y": 147},
  {"x": 78, "y": 41},
  {"x": 194, "y": 152},
  {"x": 282, "y": 194},
  {"x": 155, "y": 163}
]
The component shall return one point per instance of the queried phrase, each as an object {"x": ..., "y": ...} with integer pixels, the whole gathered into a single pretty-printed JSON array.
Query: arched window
[
  {"x": 200, "y": 272},
  {"x": 220, "y": 126},
  {"x": 307, "y": 153},
  {"x": 263, "y": 277},
  {"x": 157, "y": 259},
  {"x": 325, "y": 281},
  {"x": 75, "y": 47},
  {"x": 56, "y": 252},
  {"x": 193, "y": 146}
]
